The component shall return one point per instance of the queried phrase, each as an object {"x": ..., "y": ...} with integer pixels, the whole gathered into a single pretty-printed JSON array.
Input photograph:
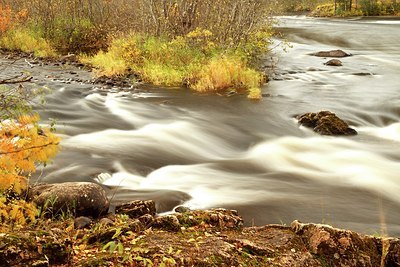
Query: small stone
[
  {"x": 82, "y": 222},
  {"x": 168, "y": 222},
  {"x": 336, "y": 256},
  {"x": 147, "y": 220},
  {"x": 182, "y": 209},
  {"x": 106, "y": 221}
]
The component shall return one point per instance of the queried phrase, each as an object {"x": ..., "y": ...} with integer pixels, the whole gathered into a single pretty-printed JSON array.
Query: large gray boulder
[{"x": 76, "y": 198}]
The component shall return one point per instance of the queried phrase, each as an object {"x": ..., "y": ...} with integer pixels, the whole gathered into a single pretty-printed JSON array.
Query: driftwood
[{"x": 16, "y": 79}]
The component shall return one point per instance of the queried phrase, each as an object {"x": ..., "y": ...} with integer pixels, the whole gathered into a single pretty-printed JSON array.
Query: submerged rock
[
  {"x": 325, "y": 123},
  {"x": 76, "y": 198},
  {"x": 334, "y": 62},
  {"x": 332, "y": 53}
]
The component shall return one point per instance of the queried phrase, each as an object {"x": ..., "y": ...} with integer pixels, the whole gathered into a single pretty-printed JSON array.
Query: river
[{"x": 180, "y": 148}]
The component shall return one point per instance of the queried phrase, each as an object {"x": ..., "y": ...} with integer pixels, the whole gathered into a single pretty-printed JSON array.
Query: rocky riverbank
[
  {"x": 193, "y": 238},
  {"x": 136, "y": 236}
]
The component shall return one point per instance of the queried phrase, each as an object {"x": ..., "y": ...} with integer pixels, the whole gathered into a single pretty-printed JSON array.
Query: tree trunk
[{"x": 335, "y": 6}]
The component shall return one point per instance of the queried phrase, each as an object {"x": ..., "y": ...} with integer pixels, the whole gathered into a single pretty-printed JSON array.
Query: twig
[{"x": 30, "y": 64}]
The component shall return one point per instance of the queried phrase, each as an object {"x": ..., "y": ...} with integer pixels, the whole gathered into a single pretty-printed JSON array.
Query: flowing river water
[{"x": 177, "y": 147}]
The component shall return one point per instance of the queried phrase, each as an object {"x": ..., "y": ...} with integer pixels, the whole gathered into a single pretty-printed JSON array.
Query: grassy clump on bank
[{"x": 192, "y": 60}]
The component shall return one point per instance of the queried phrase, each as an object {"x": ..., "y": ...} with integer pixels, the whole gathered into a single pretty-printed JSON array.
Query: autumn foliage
[
  {"x": 9, "y": 18},
  {"x": 23, "y": 145}
]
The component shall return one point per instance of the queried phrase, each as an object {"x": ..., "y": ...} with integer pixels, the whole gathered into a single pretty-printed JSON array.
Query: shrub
[
  {"x": 76, "y": 36},
  {"x": 326, "y": 10},
  {"x": 23, "y": 144},
  {"x": 28, "y": 41}
]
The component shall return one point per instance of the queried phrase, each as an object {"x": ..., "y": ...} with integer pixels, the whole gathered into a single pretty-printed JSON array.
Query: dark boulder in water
[
  {"x": 334, "y": 62},
  {"x": 325, "y": 123},
  {"x": 332, "y": 53}
]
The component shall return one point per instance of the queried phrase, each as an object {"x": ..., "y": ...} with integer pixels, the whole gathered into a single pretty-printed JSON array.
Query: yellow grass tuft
[{"x": 224, "y": 73}]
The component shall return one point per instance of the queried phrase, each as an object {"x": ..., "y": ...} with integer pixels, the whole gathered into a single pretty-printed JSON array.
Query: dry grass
[{"x": 224, "y": 73}]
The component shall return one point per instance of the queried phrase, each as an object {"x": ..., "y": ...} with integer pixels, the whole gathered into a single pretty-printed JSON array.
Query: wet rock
[
  {"x": 325, "y": 123},
  {"x": 334, "y": 62},
  {"x": 77, "y": 198},
  {"x": 363, "y": 74},
  {"x": 332, "y": 53},
  {"x": 339, "y": 247},
  {"x": 137, "y": 208},
  {"x": 82, "y": 222},
  {"x": 182, "y": 209}
]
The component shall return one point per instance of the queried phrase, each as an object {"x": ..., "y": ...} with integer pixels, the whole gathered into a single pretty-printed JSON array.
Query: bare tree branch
[{"x": 29, "y": 148}]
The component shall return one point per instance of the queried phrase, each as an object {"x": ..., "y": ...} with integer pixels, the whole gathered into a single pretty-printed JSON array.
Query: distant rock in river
[
  {"x": 334, "y": 62},
  {"x": 332, "y": 53}
]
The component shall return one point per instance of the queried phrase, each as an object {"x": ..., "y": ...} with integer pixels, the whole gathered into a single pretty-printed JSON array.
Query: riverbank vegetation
[
  {"x": 207, "y": 46},
  {"x": 341, "y": 8},
  {"x": 24, "y": 145},
  {"x": 346, "y": 8}
]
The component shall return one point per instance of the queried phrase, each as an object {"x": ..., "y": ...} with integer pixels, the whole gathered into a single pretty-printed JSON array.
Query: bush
[
  {"x": 326, "y": 10},
  {"x": 76, "y": 36},
  {"x": 23, "y": 145},
  {"x": 28, "y": 41},
  {"x": 373, "y": 8}
]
